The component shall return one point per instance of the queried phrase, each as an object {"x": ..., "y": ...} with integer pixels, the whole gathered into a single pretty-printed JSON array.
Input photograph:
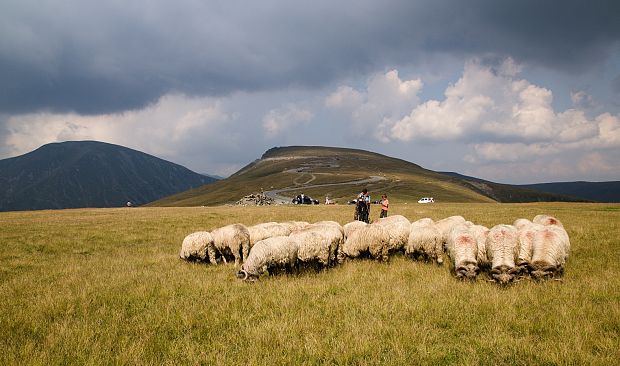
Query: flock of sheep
[{"x": 537, "y": 248}]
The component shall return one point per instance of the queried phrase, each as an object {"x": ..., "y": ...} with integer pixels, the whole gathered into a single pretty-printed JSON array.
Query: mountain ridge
[{"x": 75, "y": 174}]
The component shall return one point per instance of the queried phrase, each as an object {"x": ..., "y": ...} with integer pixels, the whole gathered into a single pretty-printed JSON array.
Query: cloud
[
  {"x": 385, "y": 97},
  {"x": 94, "y": 57},
  {"x": 280, "y": 119},
  {"x": 176, "y": 128}
]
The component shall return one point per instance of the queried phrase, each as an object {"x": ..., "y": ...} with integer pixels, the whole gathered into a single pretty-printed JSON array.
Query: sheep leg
[{"x": 211, "y": 254}]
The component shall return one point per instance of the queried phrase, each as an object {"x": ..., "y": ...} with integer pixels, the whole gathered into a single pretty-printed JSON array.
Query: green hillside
[{"x": 309, "y": 167}]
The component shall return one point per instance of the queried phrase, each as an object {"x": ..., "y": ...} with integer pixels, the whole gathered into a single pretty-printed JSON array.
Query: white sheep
[
  {"x": 547, "y": 220},
  {"x": 398, "y": 227},
  {"x": 328, "y": 248},
  {"x": 266, "y": 230},
  {"x": 314, "y": 248},
  {"x": 352, "y": 226},
  {"x": 445, "y": 226},
  {"x": 549, "y": 252},
  {"x": 230, "y": 240},
  {"x": 502, "y": 250},
  {"x": 463, "y": 251},
  {"x": 480, "y": 233},
  {"x": 526, "y": 232},
  {"x": 372, "y": 239},
  {"x": 271, "y": 255},
  {"x": 195, "y": 246},
  {"x": 424, "y": 241},
  {"x": 332, "y": 224},
  {"x": 295, "y": 225}
]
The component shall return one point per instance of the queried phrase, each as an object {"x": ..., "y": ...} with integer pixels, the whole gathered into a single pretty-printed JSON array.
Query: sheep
[
  {"x": 330, "y": 223},
  {"x": 231, "y": 239},
  {"x": 549, "y": 252},
  {"x": 399, "y": 228},
  {"x": 352, "y": 226},
  {"x": 328, "y": 248},
  {"x": 195, "y": 246},
  {"x": 314, "y": 248},
  {"x": 295, "y": 225},
  {"x": 519, "y": 223},
  {"x": 373, "y": 239},
  {"x": 445, "y": 225},
  {"x": 547, "y": 220},
  {"x": 424, "y": 240},
  {"x": 266, "y": 230},
  {"x": 526, "y": 232},
  {"x": 270, "y": 255},
  {"x": 502, "y": 250},
  {"x": 480, "y": 233},
  {"x": 463, "y": 252}
]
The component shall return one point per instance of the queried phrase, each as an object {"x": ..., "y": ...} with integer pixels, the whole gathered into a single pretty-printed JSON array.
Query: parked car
[
  {"x": 426, "y": 200},
  {"x": 304, "y": 200}
]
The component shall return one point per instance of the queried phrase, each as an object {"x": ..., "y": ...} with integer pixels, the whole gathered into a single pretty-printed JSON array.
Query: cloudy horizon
[{"x": 513, "y": 92}]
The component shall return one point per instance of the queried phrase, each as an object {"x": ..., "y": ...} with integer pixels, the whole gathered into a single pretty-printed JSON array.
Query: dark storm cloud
[{"x": 97, "y": 57}]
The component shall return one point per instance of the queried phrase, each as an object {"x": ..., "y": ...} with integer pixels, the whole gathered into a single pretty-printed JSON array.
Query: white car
[{"x": 426, "y": 200}]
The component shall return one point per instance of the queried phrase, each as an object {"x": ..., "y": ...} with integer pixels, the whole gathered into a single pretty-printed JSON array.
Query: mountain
[
  {"x": 594, "y": 191},
  {"x": 341, "y": 173},
  {"x": 514, "y": 193},
  {"x": 89, "y": 174}
]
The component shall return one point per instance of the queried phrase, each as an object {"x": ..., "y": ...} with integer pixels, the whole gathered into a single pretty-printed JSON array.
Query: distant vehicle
[
  {"x": 426, "y": 200},
  {"x": 304, "y": 200}
]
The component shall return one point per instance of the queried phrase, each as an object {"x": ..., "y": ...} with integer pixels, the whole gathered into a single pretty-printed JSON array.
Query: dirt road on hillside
[{"x": 275, "y": 194}]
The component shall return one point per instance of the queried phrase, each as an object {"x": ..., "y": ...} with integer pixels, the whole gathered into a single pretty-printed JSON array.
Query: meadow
[{"x": 106, "y": 286}]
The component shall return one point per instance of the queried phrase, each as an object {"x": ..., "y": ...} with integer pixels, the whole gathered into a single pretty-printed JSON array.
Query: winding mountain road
[{"x": 275, "y": 194}]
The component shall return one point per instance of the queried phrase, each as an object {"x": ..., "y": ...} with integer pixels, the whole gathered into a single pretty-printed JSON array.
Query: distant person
[
  {"x": 363, "y": 206},
  {"x": 385, "y": 204}
]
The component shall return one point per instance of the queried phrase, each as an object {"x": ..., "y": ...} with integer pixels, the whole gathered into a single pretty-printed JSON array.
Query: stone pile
[{"x": 256, "y": 199}]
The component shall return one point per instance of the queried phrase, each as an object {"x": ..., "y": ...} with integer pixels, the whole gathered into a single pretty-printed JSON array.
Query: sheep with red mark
[
  {"x": 463, "y": 250},
  {"x": 549, "y": 253},
  {"x": 502, "y": 250}
]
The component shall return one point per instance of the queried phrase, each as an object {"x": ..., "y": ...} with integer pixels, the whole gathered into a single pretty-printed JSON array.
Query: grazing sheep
[
  {"x": 445, "y": 226},
  {"x": 526, "y": 232},
  {"x": 295, "y": 225},
  {"x": 549, "y": 252},
  {"x": 230, "y": 240},
  {"x": 463, "y": 251},
  {"x": 398, "y": 227},
  {"x": 314, "y": 248},
  {"x": 266, "y": 230},
  {"x": 373, "y": 239},
  {"x": 480, "y": 233},
  {"x": 502, "y": 250},
  {"x": 195, "y": 246},
  {"x": 330, "y": 223},
  {"x": 270, "y": 255},
  {"x": 519, "y": 223},
  {"x": 332, "y": 236},
  {"x": 424, "y": 241},
  {"x": 547, "y": 220},
  {"x": 352, "y": 226}
]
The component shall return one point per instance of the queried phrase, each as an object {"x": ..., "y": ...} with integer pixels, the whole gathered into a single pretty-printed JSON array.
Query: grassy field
[{"x": 105, "y": 286}]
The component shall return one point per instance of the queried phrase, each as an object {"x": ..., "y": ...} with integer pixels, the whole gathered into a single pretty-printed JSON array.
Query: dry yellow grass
[{"x": 106, "y": 286}]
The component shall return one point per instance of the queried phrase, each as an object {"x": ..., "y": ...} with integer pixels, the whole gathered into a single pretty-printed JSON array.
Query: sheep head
[
  {"x": 504, "y": 274},
  {"x": 467, "y": 272},
  {"x": 543, "y": 273}
]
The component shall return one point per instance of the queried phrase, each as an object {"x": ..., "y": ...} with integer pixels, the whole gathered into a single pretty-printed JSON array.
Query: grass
[{"x": 105, "y": 286}]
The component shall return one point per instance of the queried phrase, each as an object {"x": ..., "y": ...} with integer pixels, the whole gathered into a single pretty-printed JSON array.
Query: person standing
[
  {"x": 363, "y": 206},
  {"x": 385, "y": 204}
]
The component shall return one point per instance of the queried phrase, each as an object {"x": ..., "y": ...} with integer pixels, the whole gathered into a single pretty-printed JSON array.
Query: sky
[{"x": 511, "y": 91}]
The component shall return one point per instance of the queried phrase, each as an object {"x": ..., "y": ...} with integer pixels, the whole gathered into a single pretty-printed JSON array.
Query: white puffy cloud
[
  {"x": 280, "y": 119},
  {"x": 386, "y": 96}
]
